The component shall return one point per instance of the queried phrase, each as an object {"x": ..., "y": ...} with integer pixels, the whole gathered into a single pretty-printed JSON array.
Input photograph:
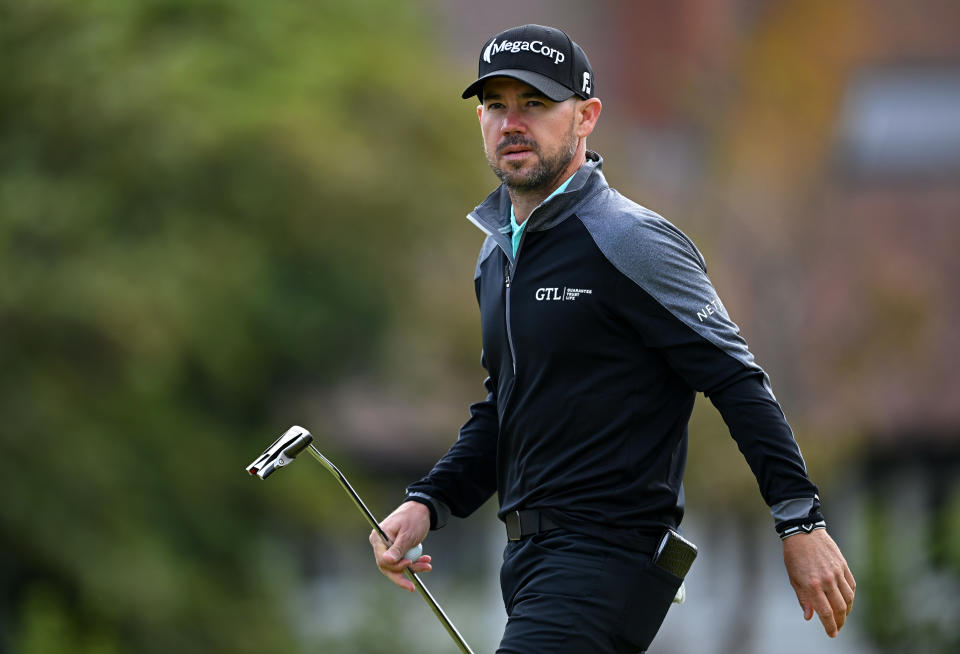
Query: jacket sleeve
[
  {"x": 667, "y": 296},
  {"x": 465, "y": 477}
]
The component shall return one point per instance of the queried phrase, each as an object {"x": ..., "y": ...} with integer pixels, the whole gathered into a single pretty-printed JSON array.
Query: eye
[
  {"x": 494, "y": 105},
  {"x": 535, "y": 103}
]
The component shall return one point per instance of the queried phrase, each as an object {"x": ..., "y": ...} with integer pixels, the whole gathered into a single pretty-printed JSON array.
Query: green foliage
[
  {"x": 47, "y": 624},
  {"x": 203, "y": 205},
  {"x": 907, "y": 604}
]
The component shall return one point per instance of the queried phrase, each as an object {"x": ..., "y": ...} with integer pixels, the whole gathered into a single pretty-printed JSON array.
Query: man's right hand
[
  {"x": 406, "y": 527},
  {"x": 821, "y": 578}
]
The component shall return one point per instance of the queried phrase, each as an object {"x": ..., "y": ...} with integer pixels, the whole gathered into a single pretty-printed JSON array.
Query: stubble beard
[{"x": 543, "y": 174}]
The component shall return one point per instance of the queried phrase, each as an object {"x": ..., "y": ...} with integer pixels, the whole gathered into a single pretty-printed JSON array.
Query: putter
[{"x": 285, "y": 449}]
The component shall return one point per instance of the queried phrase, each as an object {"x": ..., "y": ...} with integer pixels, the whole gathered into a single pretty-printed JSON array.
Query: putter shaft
[{"x": 410, "y": 574}]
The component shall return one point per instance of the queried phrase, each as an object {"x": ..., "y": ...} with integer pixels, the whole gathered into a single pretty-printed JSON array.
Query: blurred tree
[
  {"x": 908, "y": 607},
  {"x": 202, "y": 204}
]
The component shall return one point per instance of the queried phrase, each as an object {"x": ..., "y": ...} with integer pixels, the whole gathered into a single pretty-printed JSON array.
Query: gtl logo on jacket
[{"x": 555, "y": 295}]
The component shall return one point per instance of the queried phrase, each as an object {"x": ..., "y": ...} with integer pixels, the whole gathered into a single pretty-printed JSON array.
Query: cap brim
[{"x": 553, "y": 90}]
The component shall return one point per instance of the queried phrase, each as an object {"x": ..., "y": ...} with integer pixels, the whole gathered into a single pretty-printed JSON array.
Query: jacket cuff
[
  {"x": 798, "y": 515},
  {"x": 439, "y": 511}
]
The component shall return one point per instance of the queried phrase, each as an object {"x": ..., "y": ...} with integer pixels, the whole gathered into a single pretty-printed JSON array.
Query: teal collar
[{"x": 518, "y": 229}]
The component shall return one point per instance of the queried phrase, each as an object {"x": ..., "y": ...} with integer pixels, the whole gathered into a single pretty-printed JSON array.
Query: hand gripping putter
[{"x": 285, "y": 449}]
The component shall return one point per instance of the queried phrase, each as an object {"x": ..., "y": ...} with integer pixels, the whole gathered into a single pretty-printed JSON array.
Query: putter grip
[{"x": 675, "y": 554}]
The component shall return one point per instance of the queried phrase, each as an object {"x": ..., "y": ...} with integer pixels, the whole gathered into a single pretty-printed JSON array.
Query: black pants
[{"x": 568, "y": 593}]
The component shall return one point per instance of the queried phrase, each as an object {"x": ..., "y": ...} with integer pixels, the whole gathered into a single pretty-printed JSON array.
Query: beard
[{"x": 543, "y": 174}]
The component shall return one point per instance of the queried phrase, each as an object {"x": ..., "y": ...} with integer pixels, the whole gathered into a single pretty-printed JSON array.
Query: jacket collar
[{"x": 493, "y": 214}]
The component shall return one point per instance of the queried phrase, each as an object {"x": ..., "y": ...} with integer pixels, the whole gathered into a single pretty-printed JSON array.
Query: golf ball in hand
[{"x": 414, "y": 553}]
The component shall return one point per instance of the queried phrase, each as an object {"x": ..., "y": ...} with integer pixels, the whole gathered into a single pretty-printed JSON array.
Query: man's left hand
[{"x": 821, "y": 578}]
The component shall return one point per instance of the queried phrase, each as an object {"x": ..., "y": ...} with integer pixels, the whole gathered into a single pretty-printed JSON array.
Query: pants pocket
[{"x": 648, "y": 603}]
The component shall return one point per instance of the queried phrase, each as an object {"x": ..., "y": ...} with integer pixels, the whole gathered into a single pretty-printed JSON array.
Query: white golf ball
[
  {"x": 681, "y": 595},
  {"x": 414, "y": 553}
]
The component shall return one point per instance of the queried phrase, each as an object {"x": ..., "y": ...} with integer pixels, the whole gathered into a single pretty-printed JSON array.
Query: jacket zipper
[
  {"x": 513, "y": 352},
  {"x": 493, "y": 232}
]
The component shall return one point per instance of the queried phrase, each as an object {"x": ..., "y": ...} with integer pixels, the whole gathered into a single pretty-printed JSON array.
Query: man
[{"x": 599, "y": 325}]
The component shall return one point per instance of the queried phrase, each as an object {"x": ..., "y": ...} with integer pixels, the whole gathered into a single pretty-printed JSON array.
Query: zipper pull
[{"x": 506, "y": 275}]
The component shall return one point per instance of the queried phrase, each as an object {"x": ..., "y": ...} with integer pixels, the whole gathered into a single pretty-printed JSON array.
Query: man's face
[{"x": 528, "y": 138}]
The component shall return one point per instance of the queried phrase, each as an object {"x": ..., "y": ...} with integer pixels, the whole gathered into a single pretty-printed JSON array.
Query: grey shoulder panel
[
  {"x": 489, "y": 245},
  {"x": 666, "y": 264}
]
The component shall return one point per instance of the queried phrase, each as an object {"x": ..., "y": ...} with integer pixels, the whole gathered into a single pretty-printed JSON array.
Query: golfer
[{"x": 599, "y": 325}]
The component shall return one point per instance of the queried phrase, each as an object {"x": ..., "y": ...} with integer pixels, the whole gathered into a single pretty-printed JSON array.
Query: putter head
[{"x": 283, "y": 451}]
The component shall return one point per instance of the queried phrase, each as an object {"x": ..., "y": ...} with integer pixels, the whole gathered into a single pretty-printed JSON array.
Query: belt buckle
[{"x": 514, "y": 528}]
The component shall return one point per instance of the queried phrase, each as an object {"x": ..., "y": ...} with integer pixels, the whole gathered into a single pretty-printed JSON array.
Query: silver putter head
[{"x": 283, "y": 451}]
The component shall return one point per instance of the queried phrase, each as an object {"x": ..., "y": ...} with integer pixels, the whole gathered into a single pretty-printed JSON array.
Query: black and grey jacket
[{"x": 597, "y": 337}]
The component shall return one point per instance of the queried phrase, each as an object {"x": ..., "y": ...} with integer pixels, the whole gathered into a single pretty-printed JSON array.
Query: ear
[
  {"x": 588, "y": 111},
  {"x": 479, "y": 111}
]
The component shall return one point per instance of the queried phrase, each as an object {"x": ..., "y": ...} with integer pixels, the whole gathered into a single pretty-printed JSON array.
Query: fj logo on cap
[{"x": 514, "y": 47}]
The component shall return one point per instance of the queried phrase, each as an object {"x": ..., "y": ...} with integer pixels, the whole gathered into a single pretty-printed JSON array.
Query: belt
[{"x": 521, "y": 524}]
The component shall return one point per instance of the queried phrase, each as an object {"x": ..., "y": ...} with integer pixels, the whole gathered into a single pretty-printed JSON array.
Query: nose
[{"x": 512, "y": 123}]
